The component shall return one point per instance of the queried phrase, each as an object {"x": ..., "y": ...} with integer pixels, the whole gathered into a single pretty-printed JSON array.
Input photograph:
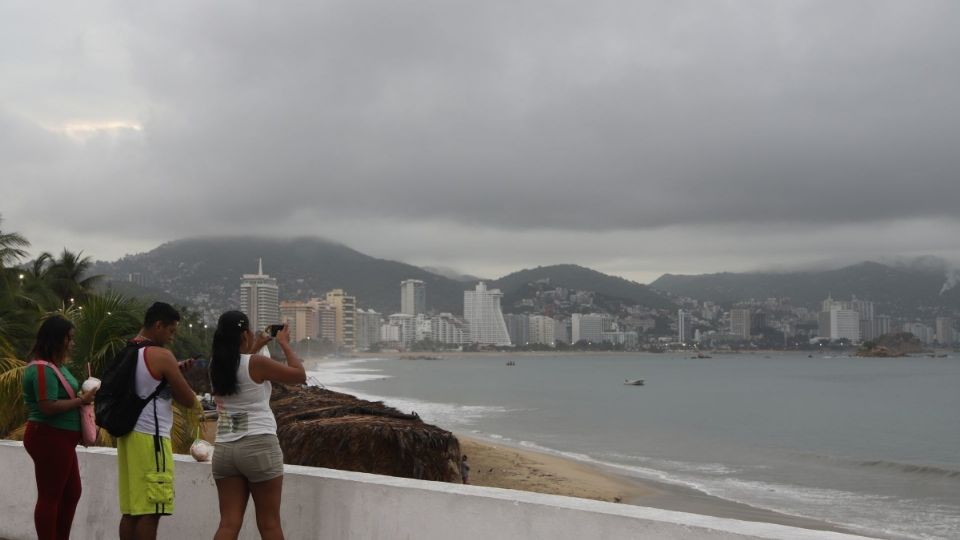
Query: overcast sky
[{"x": 635, "y": 137}]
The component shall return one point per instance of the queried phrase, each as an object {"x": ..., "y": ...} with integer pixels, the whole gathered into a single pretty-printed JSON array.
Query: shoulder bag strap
[{"x": 56, "y": 370}]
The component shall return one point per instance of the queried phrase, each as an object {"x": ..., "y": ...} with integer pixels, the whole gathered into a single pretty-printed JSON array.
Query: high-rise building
[
  {"x": 741, "y": 323},
  {"x": 945, "y": 333},
  {"x": 863, "y": 307},
  {"x": 710, "y": 311},
  {"x": 923, "y": 332},
  {"x": 302, "y": 318},
  {"x": 542, "y": 330},
  {"x": 684, "y": 326},
  {"x": 408, "y": 327},
  {"x": 882, "y": 324},
  {"x": 823, "y": 324},
  {"x": 368, "y": 328},
  {"x": 422, "y": 328},
  {"x": 844, "y": 324},
  {"x": 589, "y": 327},
  {"x": 259, "y": 299},
  {"x": 449, "y": 329},
  {"x": 866, "y": 314},
  {"x": 390, "y": 333},
  {"x": 481, "y": 308},
  {"x": 518, "y": 326},
  {"x": 561, "y": 330},
  {"x": 346, "y": 310},
  {"x": 326, "y": 320},
  {"x": 413, "y": 297}
]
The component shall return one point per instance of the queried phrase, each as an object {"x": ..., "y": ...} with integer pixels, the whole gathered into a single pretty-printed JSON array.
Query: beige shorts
[{"x": 258, "y": 458}]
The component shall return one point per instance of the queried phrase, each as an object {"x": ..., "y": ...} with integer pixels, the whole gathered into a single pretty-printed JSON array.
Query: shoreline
[
  {"x": 497, "y": 465},
  {"x": 438, "y": 355}
]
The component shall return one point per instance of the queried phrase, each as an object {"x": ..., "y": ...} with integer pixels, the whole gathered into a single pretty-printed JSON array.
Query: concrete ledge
[{"x": 331, "y": 504}]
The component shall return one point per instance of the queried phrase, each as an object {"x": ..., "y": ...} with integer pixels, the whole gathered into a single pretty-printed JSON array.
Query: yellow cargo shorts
[{"x": 145, "y": 475}]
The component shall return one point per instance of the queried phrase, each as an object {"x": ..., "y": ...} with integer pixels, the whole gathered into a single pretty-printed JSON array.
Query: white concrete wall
[{"x": 330, "y": 504}]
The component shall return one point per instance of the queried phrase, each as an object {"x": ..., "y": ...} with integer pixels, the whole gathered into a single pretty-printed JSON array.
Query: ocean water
[{"x": 868, "y": 444}]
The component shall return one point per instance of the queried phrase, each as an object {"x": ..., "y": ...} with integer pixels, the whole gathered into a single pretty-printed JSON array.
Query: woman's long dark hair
[
  {"x": 226, "y": 352},
  {"x": 51, "y": 342}
]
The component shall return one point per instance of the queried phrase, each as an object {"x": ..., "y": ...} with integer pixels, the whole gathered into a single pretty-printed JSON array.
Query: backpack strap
[{"x": 60, "y": 376}]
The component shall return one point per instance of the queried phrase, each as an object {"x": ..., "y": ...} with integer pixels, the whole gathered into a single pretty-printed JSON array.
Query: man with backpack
[{"x": 137, "y": 408}]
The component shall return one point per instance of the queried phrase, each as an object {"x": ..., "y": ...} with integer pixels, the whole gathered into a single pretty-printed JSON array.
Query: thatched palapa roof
[{"x": 322, "y": 428}]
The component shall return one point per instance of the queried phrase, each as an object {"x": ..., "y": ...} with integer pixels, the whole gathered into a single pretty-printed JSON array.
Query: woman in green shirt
[{"x": 53, "y": 429}]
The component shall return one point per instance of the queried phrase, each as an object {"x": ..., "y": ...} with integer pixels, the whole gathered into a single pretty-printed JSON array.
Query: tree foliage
[{"x": 33, "y": 290}]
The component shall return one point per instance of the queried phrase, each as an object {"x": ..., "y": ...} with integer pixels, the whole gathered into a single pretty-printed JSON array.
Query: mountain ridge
[
  {"x": 206, "y": 272},
  {"x": 899, "y": 289}
]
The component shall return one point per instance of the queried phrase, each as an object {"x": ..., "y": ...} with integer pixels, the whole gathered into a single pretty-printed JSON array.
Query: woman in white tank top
[{"x": 247, "y": 459}]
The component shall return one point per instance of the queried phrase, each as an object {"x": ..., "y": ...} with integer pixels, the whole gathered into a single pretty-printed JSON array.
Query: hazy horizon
[{"x": 949, "y": 268}]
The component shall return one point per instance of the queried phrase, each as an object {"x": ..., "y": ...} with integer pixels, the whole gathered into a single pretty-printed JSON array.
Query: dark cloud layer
[{"x": 596, "y": 118}]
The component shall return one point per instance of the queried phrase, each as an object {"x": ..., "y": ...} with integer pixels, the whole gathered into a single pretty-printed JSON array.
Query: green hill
[
  {"x": 572, "y": 276},
  {"x": 897, "y": 290},
  {"x": 206, "y": 272}
]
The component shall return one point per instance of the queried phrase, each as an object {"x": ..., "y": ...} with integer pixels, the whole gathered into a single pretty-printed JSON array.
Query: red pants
[{"x": 54, "y": 457}]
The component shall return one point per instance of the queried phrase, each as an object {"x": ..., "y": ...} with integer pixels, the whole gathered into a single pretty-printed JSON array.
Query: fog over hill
[
  {"x": 206, "y": 272},
  {"x": 910, "y": 287}
]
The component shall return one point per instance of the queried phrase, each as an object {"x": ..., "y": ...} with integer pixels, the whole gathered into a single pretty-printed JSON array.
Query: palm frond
[
  {"x": 16, "y": 434},
  {"x": 103, "y": 326},
  {"x": 13, "y": 412},
  {"x": 12, "y": 247},
  {"x": 185, "y": 424}
]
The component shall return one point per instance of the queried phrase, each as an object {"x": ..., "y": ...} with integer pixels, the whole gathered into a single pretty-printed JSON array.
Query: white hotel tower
[
  {"x": 259, "y": 299},
  {"x": 481, "y": 309}
]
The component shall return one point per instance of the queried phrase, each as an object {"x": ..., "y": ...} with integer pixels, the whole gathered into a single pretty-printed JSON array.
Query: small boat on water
[
  {"x": 633, "y": 382},
  {"x": 511, "y": 363}
]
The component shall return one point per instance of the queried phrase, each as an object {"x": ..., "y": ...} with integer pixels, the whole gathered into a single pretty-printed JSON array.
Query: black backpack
[{"x": 117, "y": 405}]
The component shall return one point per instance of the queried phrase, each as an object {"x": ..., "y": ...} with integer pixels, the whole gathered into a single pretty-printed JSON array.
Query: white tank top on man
[
  {"x": 146, "y": 384},
  {"x": 248, "y": 411}
]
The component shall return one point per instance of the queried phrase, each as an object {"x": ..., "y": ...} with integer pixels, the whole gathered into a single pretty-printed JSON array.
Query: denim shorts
[{"x": 258, "y": 458}]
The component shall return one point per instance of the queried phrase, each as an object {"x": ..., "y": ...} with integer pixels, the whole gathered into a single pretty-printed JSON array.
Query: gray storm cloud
[{"x": 591, "y": 117}]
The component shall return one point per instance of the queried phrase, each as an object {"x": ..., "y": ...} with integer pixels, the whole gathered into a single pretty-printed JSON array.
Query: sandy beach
[{"x": 521, "y": 469}]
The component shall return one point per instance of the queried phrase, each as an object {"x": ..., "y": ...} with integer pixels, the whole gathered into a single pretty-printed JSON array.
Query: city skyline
[
  {"x": 637, "y": 138},
  {"x": 582, "y": 322}
]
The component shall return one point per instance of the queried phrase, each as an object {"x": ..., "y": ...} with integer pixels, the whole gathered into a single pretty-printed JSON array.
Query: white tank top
[
  {"x": 248, "y": 411},
  {"x": 146, "y": 384}
]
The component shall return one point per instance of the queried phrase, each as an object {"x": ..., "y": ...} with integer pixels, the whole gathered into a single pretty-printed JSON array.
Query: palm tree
[
  {"x": 12, "y": 247},
  {"x": 68, "y": 279},
  {"x": 104, "y": 323},
  {"x": 35, "y": 292},
  {"x": 12, "y": 411}
]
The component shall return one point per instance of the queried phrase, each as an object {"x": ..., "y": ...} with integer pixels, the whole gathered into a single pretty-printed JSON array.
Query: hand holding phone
[{"x": 274, "y": 328}]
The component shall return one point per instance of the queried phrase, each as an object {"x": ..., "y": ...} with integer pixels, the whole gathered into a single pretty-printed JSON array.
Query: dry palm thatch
[{"x": 321, "y": 428}]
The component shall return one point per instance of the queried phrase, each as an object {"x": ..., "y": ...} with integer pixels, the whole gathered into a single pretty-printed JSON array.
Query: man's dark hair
[{"x": 161, "y": 312}]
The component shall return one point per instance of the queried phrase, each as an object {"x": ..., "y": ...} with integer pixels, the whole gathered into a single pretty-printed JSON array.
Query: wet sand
[{"x": 521, "y": 469}]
